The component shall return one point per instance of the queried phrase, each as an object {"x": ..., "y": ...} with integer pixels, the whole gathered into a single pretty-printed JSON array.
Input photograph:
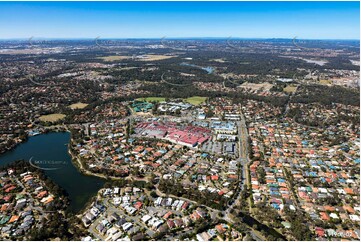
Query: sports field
[
  {"x": 195, "y": 100},
  {"x": 151, "y": 99},
  {"x": 114, "y": 58},
  {"x": 52, "y": 117}
]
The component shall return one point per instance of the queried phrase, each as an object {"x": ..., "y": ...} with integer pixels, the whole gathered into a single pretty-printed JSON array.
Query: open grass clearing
[
  {"x": 325, "y": 82},
  {"x": 289, "y": 88},
  {"x": 114, "y": 57},
  {"x": 195, "y": 100},
  {"x": 257, "y": 86},
  {"x": 137, "y": 58},
  {"x": 78, "y": 105},
  {"x": 52, "y": 117},
  {"x": 155, "y": 57},
  {"x": 151, "y": 99}
]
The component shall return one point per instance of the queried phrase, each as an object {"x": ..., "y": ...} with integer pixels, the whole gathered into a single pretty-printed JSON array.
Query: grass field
[
  {"x": 289, "y": 88},
  {"x": 114, "y": 58},
  {"x": 152, "y": 99},
  {"x": 78, "y": 105},
  {"x": 52, "y": 117},
  {"x": 257, "y": 86},
  {"x": 156, "y": 57},
  {"x": 195, "y": 100},
  {"x": 145, "y": 57}
]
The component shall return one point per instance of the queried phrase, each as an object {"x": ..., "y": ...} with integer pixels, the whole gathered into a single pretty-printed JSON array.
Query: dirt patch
[
  {"x": 154, "y": 57},
  {"x": 52, "y": 117},
  {"x": 257, "y": 86},
  {"x": 78, "y": 105},
  {"x": 289, "y": 88}
]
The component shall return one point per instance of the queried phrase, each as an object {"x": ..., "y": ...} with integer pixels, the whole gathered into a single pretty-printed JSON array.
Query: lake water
[
  {"x": 50, "y": 151},
  {"x": 251, "y": 222}
]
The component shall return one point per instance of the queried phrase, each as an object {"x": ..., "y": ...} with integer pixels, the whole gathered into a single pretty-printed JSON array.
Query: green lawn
[
  {"x": 152, "y": 99},
  {"x": 289, "y": 88},
  {"x": 195, "y": 100},
  {"x": 325, "y": 82}
]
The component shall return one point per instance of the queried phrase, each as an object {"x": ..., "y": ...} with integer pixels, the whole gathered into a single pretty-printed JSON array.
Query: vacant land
[
  {"x": 325, "y": 82},
  {"x": 78, "y": 105},
  {"x": 52, "y": 117},
  {"x": 138, "y": 58},
  {"x": 154, "y": 57},
  {"x": 289, "y": 88},
  {"x": 114, "y": 57},
  {"x": 317, "y": 62},
  {"x": 195, "y": 100},
  {"x": 152, "y": 99},
  {"x": 218, "y": 60},
  {"x": 257, "y": 86}
]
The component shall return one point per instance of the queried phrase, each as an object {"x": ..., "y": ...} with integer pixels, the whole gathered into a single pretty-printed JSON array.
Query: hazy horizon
[
  {"x": 147, "y": 20},
  {"x": 169, "y": 38}
]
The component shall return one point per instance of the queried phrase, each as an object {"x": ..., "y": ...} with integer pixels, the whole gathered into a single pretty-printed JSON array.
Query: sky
[{"x": 306, "y": 20}]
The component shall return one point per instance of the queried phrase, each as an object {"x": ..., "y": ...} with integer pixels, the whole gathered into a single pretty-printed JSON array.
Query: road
[
  {"x": 213, "y": 212},
  {"x": 243, "y": 160},
  {"x": 93, "y": 231},
  {"x": 289, "y": 101},
  {"x": 112, "y": 209},
  {"x": 134, "y": 219},
  {"x": 32, "y": 206}
]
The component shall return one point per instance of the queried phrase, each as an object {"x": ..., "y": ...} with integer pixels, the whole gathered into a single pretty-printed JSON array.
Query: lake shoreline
[
  {"x": 77, "y": 163},
  {"x": 55, "y": 146}
]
